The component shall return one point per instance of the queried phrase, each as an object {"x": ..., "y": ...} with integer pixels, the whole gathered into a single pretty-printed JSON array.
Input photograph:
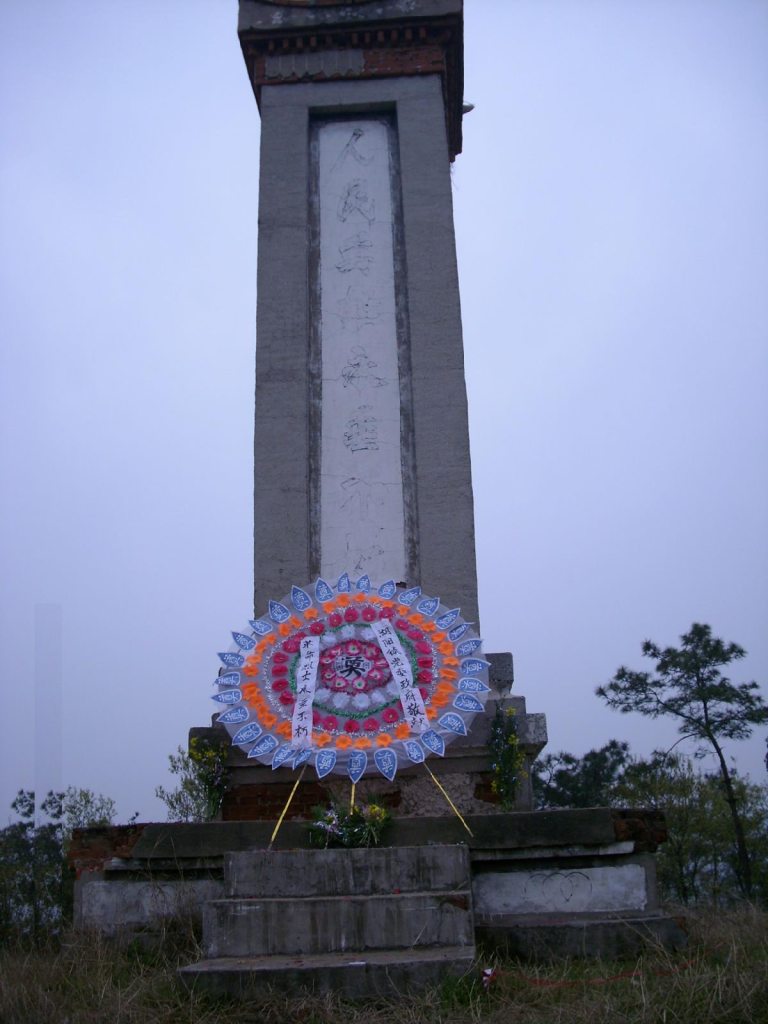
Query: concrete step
[
  {"x": 284, "y": 926},
  {"x": 381, "y": 972},
  {"x": 346, "y": 872}
]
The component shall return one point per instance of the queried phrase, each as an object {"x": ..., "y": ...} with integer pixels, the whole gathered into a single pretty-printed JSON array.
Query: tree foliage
[
  {"x": 35, "y": 882},
  {"x": 688, "y": 684},
  {"x": 564, "y": 780}
]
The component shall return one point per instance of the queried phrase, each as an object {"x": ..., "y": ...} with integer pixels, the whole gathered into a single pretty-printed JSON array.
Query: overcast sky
[{"x": 612, "y": 231}]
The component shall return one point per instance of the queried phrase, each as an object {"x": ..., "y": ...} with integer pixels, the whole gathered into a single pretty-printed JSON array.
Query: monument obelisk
[{"x": 362, "y": 454}]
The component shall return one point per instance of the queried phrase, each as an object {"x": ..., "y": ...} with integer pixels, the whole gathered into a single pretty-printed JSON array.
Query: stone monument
[{"x": 362, "y": 466}]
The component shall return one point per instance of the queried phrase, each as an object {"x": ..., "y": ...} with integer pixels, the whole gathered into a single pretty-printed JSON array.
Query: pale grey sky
[{"x": 612, "y": 219}]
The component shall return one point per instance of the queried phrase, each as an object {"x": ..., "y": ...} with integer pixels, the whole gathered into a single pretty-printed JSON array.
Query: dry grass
[{"x": 722, "y": 978}]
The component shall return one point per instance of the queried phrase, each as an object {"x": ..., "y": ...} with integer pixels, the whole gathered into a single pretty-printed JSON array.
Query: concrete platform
[
  {"x": 380, "y": 972},
  {"x": 243, "y": 927}
]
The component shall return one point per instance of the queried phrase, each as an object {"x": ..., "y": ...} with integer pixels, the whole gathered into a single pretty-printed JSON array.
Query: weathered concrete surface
[
  {"x": 273, "y": 927},
  {"x": 371, "y": 938},
  {"x": 562, "y": 889},
  {"x": 177, "y": 844},
  {"x": 116, "y": 905},
  {"x": 283, "y": 513},
  {"x": 560, "y": 937},
  {"x": 346, "y": 872},
  {"x": 355, "y": 976}
]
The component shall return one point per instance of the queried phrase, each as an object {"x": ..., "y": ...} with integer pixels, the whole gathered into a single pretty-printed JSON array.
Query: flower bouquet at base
[{"x": 361, "y": 826}]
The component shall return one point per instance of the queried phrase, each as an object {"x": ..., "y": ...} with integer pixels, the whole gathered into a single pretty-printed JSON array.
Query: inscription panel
[{"x": 360, "y": 492}]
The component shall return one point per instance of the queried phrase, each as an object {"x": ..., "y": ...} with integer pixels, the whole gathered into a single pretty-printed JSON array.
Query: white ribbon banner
[
  {"x": 306, "y": 679},
  {"x": 400, "y": 666}
]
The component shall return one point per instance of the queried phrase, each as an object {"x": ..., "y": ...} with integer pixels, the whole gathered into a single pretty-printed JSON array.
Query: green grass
[{"x": 722, "y": 978}]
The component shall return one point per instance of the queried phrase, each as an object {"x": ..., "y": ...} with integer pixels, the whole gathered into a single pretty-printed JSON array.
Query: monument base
[{"x": 544, "y": 883}]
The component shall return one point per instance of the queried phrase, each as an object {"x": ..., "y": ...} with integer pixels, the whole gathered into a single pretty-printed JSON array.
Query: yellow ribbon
[{"x": 454, "y": 808}]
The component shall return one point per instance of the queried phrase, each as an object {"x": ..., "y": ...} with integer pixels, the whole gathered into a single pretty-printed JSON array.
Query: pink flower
[
  {"x": 317, "y": 628},
  {"x": 351, "y": 615},
  {"x": 335, "y": 619},
  {"x": 369, "y": 614},
  {"x": 330, "y": 723},
  {"x": 390, "y": 714}
]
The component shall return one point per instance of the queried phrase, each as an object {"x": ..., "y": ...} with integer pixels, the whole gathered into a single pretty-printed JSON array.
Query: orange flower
[
  {"x": 329, "y": 606},
  {"x": 362, "y": 743},
  {"x": 431, "y": 713},
  {"x": 270, "y": 638},
  {"x": 293, "y": 621},
  {"x": 285, "y": 629},
  {"x": 450, "y": 661},
  {"x": 311, "y": 613},
  {"x": 402, "y": 731},
  {"x": 269, "y": 720},
  {"x": 438, "y": 637},
  {"x": 383, "y": 739},
  {"x": 375, "y": 599},
  {"x": 321, "y": 739},
  {"x": 429, "y": 627},
  {"x": 445, "y": 688},
  {"x": 416, "y": 619},
  {"x": 343, "y": 600},
  {"x": 444, "y": 648},
  {"x": 360, "y": 598},
  {"x": 449, "y": 673},
  {"x": 403, "y": 609},
  {"x": 250, "y": 690},
  {"x": 440, "y": 700},
  {"x": 343, "y": 741},
  {"x": 284, "y": 729},
  {"x": 250, "y": 670}
]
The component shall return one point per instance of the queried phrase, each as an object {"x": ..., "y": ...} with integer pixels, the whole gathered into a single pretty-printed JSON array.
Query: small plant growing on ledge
[
  {"x": 363, "y": 825},
  {"x": 202, "y": 782},
  {"x": 507, "y": 758}
]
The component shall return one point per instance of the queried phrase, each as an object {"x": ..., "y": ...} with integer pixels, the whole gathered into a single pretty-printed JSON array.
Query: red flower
[
  {"x": 317, "y": 628},
  {"x": 423, "y": 647},
  {"x": 424, "y": 676},
  {"x": 351, "y": 615},
  {"x": 401, "y": 624},
  {"x": 291, "y": 645},
  {"x": 369, "y": 614},
  {"x": 280, "y": 657},
  {"x": 317, "y": 718},
  {"x": 279, "y": 684},
  {"x": 287, "y": 698},
  {"x": 371, "y": 724},
  {"x": 330, "y": 722},
  {"x": 351, "y": 725},
  {"x": 415, "y": 634},
  {"x": 335, "y": 619},
  {"x": 279, "y": 670},
  {"x": 390, "y": 714},
  {"x": 386, "y": 613},
  {"x": 424, "y": 662},
  {"x": 424, "y": 692}
]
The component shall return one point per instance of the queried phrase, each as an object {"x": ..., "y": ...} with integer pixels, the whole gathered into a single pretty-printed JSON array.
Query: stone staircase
[{"x": 375, "y": 922}]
